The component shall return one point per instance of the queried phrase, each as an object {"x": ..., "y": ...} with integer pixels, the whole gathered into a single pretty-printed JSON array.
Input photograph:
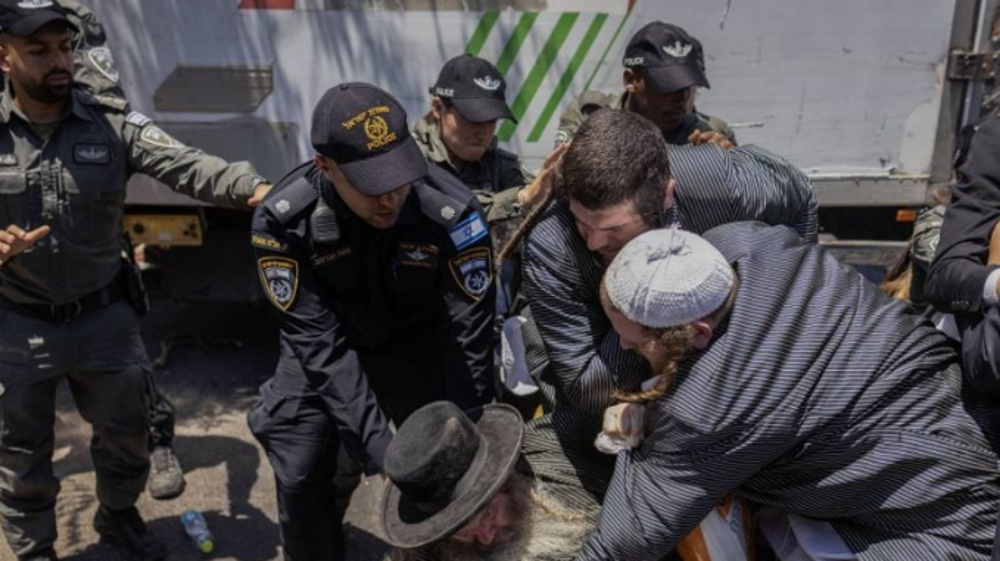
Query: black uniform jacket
[{"x": 378, "y": 322}]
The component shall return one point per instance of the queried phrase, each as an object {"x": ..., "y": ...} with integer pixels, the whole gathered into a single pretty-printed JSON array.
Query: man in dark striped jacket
[
  {"x": 618, "y": 183},
  {"x": 787, "y": 377}
]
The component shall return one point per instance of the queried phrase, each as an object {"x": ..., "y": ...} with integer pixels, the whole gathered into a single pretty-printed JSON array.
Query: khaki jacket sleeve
[
  {"x": 187, "y": 170},
  {"x": 569, "y": 122},
  {"x": 93, "y": 64}
]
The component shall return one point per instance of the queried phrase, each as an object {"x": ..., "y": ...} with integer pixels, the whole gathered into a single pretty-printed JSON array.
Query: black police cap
[
  {"x": 475, "y": 87},
  {"x": 363, "y": 129},
  {"x": 669, "y": 57},
  {"x": 23, "y": 18}
]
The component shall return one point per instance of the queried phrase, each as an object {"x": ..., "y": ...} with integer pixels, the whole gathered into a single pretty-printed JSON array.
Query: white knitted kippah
[{"x": 668, "y": 277}]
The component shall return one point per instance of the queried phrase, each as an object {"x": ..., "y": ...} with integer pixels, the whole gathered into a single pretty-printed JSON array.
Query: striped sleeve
[
  {"x": 748, "y": 183},
  {"x": 561, "y": 282},
  {"x": 656, "y": 497}
]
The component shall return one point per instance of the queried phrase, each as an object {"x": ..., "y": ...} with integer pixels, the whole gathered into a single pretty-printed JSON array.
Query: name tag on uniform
[
  {"x": 93, "y": 154},
  {"x": 8, "y": 160}
]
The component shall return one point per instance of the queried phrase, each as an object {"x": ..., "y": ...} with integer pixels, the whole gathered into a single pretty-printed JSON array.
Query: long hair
[{"x": 676, "y": 341}]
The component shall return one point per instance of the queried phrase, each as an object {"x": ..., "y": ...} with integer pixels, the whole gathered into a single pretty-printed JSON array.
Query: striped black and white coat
[
  {"x": 561, "y": 277},
  {"x": 818, "y": 396}
]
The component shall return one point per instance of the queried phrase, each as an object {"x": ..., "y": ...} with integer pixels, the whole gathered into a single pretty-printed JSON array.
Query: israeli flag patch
[
  {"x": 468, "y": 231},
  {"x": 137, "y": 119}
]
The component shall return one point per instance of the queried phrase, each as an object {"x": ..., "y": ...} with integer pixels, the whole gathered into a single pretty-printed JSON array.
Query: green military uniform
[
  {"x": 93, "y": 64},
  {"x": 590, "y": 101},
  {"x": 495, "y": 179},
  {"x": 63, "y": 303}
]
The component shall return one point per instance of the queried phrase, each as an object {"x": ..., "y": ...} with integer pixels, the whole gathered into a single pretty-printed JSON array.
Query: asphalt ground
[{"x": 218, "y": 357}]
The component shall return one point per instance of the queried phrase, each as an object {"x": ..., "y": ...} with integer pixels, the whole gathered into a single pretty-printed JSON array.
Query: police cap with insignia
[
  {"x": 23, "y": 18},
  {"x": 476, "y": 89},
  {"x": 669, "y": 57},
  {"x": 363, "y": 129}
]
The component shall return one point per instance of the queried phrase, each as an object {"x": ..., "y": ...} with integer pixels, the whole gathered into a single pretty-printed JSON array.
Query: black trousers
[
  {"x": 161, "y": 415},
  {"x": 314, "y": 478}
]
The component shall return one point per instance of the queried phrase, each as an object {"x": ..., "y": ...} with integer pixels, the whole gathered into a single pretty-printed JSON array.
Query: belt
[{"x": 65, "y": 313}]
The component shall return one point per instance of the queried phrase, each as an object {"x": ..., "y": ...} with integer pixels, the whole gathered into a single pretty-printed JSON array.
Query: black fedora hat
[{"x": 444, "y": 466}]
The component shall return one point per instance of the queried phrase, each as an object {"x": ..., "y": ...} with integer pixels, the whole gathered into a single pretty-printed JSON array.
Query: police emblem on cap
[
  {"x": 473, "y": 271},
  {"x": 376, "y": 129},
  {"x": 447, "y": 213},
  {"x": 280, "y": 277},
  {"x": 105, "y": 62},
  {"x": 487, "y": 83},
  {"x": 677, "y": 50}
]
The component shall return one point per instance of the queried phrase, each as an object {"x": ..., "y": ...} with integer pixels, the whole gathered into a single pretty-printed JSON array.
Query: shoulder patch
[
  {"x": 468, "y": 231},
  {"x": 473, "y": 271},
  {"x": 290, "y": 200},
  {"x": 280, "y": 277},
  {"x": 104, "y": 61},
  {"x": 561, "y": 137},
  {"x": 137, "y": 119},
  {"x": 157, "y": 137}
]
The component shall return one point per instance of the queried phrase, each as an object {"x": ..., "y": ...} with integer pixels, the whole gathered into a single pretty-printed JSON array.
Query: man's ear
[
  {"x": 702, "y": 334},
  {"x": 5, "y": 56},
  {"x": 324, "y": 165},
  {"x": 631, "y": 80},
  {"x": 437, "y": 108},
  {"x": 668, "y": 196}
]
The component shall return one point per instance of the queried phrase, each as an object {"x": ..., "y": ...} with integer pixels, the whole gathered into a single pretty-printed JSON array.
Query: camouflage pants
[{"x": 102, "y": 356}]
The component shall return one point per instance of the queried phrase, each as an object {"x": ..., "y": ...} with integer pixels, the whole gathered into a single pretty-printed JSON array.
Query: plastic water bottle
[{"x": 197, "y": 529}]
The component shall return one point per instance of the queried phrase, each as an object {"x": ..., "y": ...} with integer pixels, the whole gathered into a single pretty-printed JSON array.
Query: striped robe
[
  {"x": 818, "y": 396},
  {"x": 561, "y": 277}
]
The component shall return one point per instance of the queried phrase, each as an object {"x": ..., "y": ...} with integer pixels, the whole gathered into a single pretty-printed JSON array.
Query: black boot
[
  {"x": 44, "y": 555},
  {"x": 125, "y": 530}
]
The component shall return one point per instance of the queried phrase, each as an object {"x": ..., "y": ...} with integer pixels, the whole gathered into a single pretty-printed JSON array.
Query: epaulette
[
  {"x": 293, "y": 194},
  {"x": 114, "y": 103},
  {"x": 443, "y": 198}
]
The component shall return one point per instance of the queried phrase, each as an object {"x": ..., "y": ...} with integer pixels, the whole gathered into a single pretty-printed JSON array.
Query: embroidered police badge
[
  {"x": 155, "y": 135},
  {"x": 280, "y": 277},
  {"x": 473, "y": 271},
  {"x": 105, "y": 62}
]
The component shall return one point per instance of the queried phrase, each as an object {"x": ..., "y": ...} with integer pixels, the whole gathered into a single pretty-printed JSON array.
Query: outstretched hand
[
  {"x": 14, "y": 240},
  {"x": 259, "y": 192},
  {"x": 539, "y": 188}
]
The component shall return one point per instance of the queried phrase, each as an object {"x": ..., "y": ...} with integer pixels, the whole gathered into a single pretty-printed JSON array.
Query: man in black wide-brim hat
[{"x": 484, "y": 485}]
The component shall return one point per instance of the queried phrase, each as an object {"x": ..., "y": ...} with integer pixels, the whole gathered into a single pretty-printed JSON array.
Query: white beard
[{"x": 551, "y": 533}]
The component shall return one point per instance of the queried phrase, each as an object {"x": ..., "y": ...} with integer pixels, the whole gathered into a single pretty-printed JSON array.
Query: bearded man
[
  {"x": 788, "y": 378},
  {"x": 484, "y": 486}
]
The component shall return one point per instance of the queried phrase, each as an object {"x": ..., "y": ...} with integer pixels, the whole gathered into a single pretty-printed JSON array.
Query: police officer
[
  {"x": 65, "y": 158},
  {"x": 459, "y": 134},
  {"x": 664, "y": 66},
  {"x": 94, "y": 70},
  {"x": 381, "y": 269}
]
